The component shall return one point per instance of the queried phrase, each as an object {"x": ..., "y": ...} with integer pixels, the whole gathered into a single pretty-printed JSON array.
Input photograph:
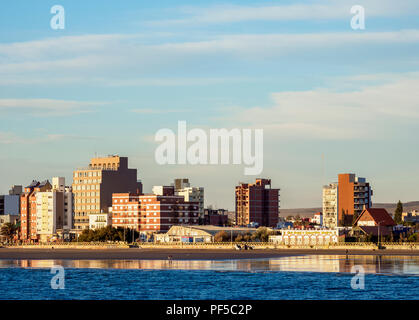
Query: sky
[{"x": 330, "y": 99}]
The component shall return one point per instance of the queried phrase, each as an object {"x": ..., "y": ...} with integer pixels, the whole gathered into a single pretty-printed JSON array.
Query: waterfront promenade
[{"x": 193, "y": 252}]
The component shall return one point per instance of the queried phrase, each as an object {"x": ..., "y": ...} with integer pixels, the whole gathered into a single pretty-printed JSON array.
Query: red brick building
[
  {"x": 215, "y": 217},
  {"x": 151, "y": 212},
  {"x": 257, "y": 203}
]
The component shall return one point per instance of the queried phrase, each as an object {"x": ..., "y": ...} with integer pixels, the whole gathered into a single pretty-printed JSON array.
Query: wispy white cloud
[
  {"x": 319, "y": 10},
  {"x": 48, "y": 107},
  {"x": 8, "y": 138},
  {"x": 119, "y": 60},
  {"x": 364, "y": 113}
]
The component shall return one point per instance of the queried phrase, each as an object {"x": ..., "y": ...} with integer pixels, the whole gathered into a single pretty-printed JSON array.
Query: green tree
[
  {"x": 8, "y": 230},
  {"x": 398, "y": 213},
  {"x": 413, "y": 238}
]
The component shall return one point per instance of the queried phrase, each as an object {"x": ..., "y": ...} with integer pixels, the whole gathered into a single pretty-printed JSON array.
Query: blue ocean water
[{"x": 225, "y": 281}]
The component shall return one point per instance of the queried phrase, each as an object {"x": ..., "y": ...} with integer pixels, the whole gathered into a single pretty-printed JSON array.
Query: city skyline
[{"x": 117, "y": 74}]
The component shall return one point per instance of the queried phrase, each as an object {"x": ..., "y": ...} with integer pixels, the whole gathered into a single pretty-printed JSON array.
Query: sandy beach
[{"x": 180, "y": 254}]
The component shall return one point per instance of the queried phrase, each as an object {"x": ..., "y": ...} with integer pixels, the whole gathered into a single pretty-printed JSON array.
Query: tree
[
  {"x": 8, "y": 230},
  {"x": 261, "y": 234},
  {"x": 413, "y": 237},
  {"x": 398, "y": 213},
  {"x": 221, "y": 236},
  {"x": 355, "y": 216}
]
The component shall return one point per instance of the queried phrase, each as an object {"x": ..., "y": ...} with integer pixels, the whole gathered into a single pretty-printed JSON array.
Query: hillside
[{"x": 390, "y": 207}]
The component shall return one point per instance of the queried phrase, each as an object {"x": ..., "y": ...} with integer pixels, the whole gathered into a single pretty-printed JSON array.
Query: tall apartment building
[
  {"x": 257, "y": 203},
  {"x": 28, "y": 218},
  {"x": 94, "y": 185},
  {"x": 49, "y": 212},
  {"x": 152, "y": 212},
  {"x": 191, "y": 194},
  {"x": 345, "y": 198},
  {"x": 354, "y": 194},
  {"x": 10, "y": 204},
  {"x": 330, "y": 205}
]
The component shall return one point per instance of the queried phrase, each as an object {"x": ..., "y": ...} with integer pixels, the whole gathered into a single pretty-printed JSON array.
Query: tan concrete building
[
  {"x": 94, "y": 185},
  {"x": 330, "y": 205},
  {"x": 190, "y": 193}
]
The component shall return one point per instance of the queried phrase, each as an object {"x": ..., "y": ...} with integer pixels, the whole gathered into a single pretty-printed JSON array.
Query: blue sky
[{"x": 121, "y": 70}]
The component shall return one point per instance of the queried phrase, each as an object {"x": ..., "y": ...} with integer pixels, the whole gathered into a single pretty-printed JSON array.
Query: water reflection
[{"x": 406, "y": 265}]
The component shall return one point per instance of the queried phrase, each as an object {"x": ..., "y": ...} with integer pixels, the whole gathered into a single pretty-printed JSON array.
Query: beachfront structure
[
  {"x": 198, "y": 233},
  {"x": 28, "y": 219},
  {"x": 46, "y": 210},
  {"x": 257, "y": 203},
  {"x": 354, "y": 195},
  {"x": 152, "y": 212},
  {"x": 306, "y": 237},
  {"x": 373, "y": 221},
  {"x": 330, "y": 205},
  {"x": 94, "y": 185},
  {"x": 100, "y": 220}
]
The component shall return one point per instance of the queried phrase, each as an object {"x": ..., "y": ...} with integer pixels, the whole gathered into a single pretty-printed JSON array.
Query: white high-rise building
[
  {"x": 191, "y": 194},
  {"x": 330, "y": 205},
  {"x": 54, "y": 210}
]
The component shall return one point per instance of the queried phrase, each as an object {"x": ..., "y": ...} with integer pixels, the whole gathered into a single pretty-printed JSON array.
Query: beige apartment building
[
  {"x": 191, "y": 194},
  {"x": 54, "y": 210},
  {"x": 46, "y": 210},
  {"x": 330, "y": 205},
  {"x": 94, "y": 185}
]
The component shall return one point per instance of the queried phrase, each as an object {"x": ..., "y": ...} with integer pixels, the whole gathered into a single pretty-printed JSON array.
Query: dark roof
[
  {"x": 43, "y": 183},
  {"x": 379, "y": 215},
  {"x": 384, "y": 231},
  {"x": 33, "y": 184}
]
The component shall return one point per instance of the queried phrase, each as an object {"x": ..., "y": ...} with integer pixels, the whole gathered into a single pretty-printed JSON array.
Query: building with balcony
[
  {"x": 190, "y": 193},
  {"x": 354, "y": 195},
  {"x": 330, "y": 205},
  {"x": 257, "y": 204},
  {"x": 152, "y": 212},
  {"x": 94, "y": 185}
]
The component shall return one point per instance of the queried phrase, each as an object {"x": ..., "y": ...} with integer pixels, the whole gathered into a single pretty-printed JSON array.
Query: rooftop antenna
[{"x": 323, "y": 170}]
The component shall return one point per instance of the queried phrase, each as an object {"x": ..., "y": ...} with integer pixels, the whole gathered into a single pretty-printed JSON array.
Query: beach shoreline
[{"x": 180, "y": 254}]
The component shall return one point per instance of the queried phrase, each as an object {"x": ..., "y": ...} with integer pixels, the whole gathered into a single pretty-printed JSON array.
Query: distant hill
[{"x": 390, "y": 207}]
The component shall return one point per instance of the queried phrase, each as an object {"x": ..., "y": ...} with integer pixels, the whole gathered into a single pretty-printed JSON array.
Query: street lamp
[{"x": 379, "y": 233}]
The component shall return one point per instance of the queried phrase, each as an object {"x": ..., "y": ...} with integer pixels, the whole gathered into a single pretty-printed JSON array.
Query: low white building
[
  {"x": 198, "y": 233},
  {"x": 306, "y": 237},
  {"x": 317, "y": 218},
  {"x": 100, "y": 220}
]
